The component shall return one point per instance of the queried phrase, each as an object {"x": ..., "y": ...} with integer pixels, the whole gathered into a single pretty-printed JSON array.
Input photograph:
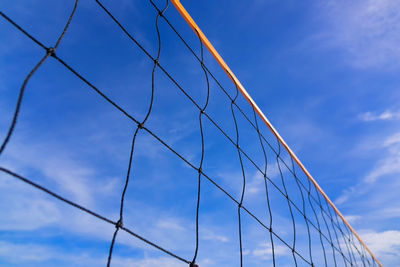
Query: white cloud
[
  {"x": 344, "y": 197},
  {"x": 256, "y": 184},
  {"x": 31, "y": 253},
  {"x": 147, "y": 262},
  {"x": 29, "y": 214},
  {"x": 368, "y": 31},
  {"x": 385, "y": 245},
  {"x": 264, "y": 251},
  {"x": 389, "y": 164},
  {"x": 352, "y": 218},
  {"x": 70, "y": 175},
  {"x": 392, "y": 140},
  {"x": 374, "y": 200},
  {"x": 207, "y": 234},
  {"x": 24, "y": 252},
  {"x": 386, "y": 115},
  {"x": 21, "y": 253}
]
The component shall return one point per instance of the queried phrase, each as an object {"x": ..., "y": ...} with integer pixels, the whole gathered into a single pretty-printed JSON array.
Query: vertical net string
[
  {"x": 49, "y": 52},
  {"x": 201, "y": 114},
  {"x": 266, "y": 186},
  {"x": 288, "y": 203},
  {"x": 318, "y": 224},
  {"x": 138, "y": 128},
  {"x": 243, "y": 175},
  {"x": 304, "y": 211}
]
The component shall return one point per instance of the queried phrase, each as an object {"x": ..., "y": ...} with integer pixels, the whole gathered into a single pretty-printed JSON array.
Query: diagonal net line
[
  {"x": 94, "y": 214},
  {"x": 49, "y": 51},
  {"x": 347, "y": 236}
]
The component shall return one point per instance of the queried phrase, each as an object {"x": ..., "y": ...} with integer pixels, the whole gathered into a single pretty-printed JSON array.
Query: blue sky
[{"x": 325, "y": 74}]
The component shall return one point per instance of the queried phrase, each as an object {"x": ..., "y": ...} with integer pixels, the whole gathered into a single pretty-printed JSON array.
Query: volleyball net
[{"x": 239, "y": 173}]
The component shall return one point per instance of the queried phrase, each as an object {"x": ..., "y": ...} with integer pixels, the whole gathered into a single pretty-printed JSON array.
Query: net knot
[
  {"x": 140, "y": 125},
  {"x": 51, "y": 51},
  {"x": 240, "y": 205},
  {"x": 192, "y": 264},
  {"x": 156, "y": 62},
  {"x": 202, "y": 111},
  {"x": 118, "y": 224},
  {"x": 200, "y": 170}
]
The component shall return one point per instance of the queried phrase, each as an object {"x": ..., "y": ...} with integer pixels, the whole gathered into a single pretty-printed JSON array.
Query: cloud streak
[
  {"x": 384, "y": 244},
  {"x": 368, "y": 32},
  {"x": 387, "y": 115}
]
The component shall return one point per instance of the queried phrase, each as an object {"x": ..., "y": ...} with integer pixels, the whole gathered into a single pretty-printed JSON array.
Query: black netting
[{"x": 318, "y": 237}]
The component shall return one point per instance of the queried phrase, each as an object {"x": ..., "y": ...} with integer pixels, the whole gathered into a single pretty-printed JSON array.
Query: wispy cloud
[
  {"x": 384, "y": 116},
  {"x": 374, "y": 199},
  {"x": 264, "y": 251},
  {"x": 367, "y": 31},
  {"x": 66, "y": 170},
  {"x": 389, "y": 164},
  {"x": 29, "y": 211},
  {"x": 385, "y": 245},
  {"x": 21, "y": 253},
  {"x": 352, "y": 218}
]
